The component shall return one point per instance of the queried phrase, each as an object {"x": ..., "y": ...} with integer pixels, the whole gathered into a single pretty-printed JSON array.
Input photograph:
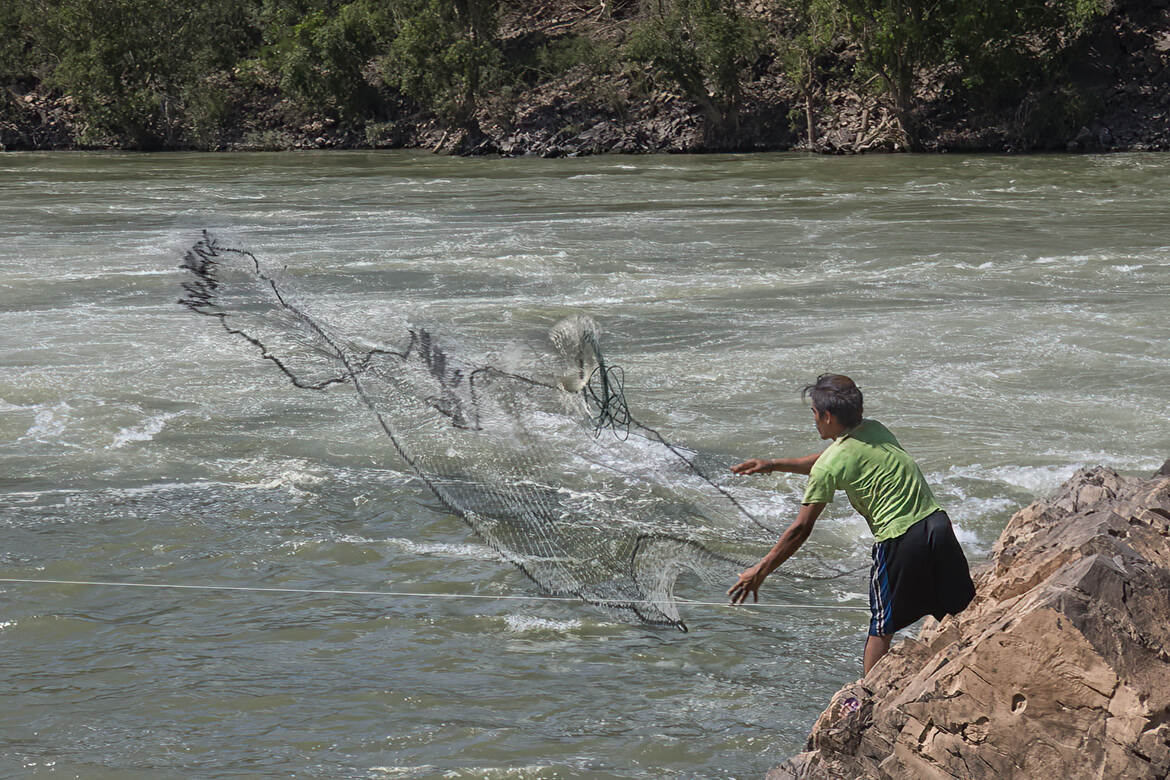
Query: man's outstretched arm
[
  {"x": 790, "y": 541},
  {"x": 765, "y": 465}
]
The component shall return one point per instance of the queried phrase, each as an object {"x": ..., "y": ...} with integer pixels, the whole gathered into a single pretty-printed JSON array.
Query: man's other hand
[{"x": 753, "y": 466}]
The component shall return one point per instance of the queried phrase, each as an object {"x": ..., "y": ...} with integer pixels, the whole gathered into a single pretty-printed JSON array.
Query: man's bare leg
[{"x": 875, "y": 648}]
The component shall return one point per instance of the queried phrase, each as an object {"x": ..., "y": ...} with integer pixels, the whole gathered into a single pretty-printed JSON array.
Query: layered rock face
[{"x": 1059, "y": 669}]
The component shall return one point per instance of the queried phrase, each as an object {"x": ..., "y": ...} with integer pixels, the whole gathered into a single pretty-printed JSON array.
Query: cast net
[{"x": 545, "y": 463}]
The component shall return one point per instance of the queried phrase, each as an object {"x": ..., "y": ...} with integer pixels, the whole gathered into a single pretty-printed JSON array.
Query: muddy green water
[{"x": 1007, "y": 318}]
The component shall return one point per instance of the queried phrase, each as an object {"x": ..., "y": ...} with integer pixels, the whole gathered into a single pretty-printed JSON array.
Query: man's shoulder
[
  {"x": 872, "y": 432},
  {"x": 833, "y": 458},
  {"x": 857, "y": 446}
]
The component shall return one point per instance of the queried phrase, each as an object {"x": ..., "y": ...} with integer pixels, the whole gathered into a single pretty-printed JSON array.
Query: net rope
[{"x": 545, "y": 463}]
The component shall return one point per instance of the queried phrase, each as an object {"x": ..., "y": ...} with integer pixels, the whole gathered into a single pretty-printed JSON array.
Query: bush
[
  {"x": 445, "y": 55},
  {"x": 706, "y": 48},
  {"x": 134, "y": 67},
  {"x": 999, "y": 51},
  {"x": 321, "y": 58}
]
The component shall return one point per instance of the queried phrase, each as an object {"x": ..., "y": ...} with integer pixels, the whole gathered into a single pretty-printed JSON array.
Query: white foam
[
  {"x": 78, "y": 277},
  {"x": 404, "y": 771},
  {"x": 488, "y": 772},
  {"x": 144, "y": 431},
  {"x": 968, "y": 539},
  {"x": 473, "y": 551},
  {"x": 524, "y": 623},
  {"x": 970, "y": 508},
  {"x": 163, "y": 487},
  {"x": 352, "y": 539},
  {"x": 1037, "y": 480},
  {"x": 293, "y": 479},
  {"x": 49, "y": 423},
  {"x": 1114, "y": 460}
]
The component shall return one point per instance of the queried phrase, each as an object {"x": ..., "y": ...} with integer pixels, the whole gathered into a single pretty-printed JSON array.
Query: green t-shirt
[{"x": 883, "y": 483}]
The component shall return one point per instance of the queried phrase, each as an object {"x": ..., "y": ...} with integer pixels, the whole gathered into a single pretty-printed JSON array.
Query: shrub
[{"x": 706, "y": 48}]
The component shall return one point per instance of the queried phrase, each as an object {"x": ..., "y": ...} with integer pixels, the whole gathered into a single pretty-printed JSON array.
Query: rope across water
[{"x": 386, "y": 594}]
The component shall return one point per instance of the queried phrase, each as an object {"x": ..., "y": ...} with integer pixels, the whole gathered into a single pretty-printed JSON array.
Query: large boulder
[{"x": 1059, "y": 669}]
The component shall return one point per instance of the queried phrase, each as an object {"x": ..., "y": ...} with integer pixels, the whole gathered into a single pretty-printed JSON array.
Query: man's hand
[
  {"x": 750, "y": 581},
  {"x": 753, "y": 466},
  {"x": 790, "y": 541}
]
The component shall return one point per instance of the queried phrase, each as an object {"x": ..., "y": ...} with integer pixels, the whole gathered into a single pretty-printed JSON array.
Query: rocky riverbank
[{"x": 1059, "y": 668}]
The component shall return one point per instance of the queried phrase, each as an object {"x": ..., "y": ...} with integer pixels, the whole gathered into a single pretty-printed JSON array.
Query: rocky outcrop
[{"x": 1060, "y": 668}]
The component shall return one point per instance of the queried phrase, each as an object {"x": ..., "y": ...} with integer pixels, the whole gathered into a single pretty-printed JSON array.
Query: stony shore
[{"x": 1060, "y": 668}]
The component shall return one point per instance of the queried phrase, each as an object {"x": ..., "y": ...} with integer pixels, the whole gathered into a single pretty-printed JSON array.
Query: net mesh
[{"x": 546, "y": 464}]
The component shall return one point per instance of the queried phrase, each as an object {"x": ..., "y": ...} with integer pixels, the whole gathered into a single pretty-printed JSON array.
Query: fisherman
[{"x": 918, "y": 567}]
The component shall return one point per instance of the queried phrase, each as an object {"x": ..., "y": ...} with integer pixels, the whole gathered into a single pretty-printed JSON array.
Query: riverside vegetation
[{"x": 566, "y": 77}]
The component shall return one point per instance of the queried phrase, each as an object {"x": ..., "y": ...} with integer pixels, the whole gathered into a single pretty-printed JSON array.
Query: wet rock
[{"x": 1059, "y": 668}]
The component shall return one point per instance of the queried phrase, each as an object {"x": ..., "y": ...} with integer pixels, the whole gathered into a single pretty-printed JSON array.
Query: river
[{"x": 1005, "y": 316}]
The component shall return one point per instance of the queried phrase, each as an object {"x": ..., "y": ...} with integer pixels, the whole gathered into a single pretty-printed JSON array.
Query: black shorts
[{"x": 922, "y": 572}]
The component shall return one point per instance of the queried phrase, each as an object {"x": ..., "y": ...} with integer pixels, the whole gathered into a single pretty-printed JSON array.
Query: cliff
[{"x": 1060, "y": 668}]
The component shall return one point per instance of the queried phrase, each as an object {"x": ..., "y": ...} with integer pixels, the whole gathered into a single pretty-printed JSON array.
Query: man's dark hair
[{"x": 837, "y": 395}]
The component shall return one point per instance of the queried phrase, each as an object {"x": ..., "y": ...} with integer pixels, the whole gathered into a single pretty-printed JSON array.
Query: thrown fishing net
[{"x": 546, "y": 464}]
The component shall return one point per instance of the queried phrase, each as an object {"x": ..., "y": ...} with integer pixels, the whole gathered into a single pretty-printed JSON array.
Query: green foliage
[
  {"x": 206, "y": 108},
  {"x": 136, "y": 67},
  {"x": 1020, "y": 57},
  {"x": 15, "y": 60},
  {"x": 321, "y": 57},
  {"x": 898, "y": 37},
  {"x": 705, "y": 47},
  {"x": 445, "y": 55},
  {"x": 561, "y": 55},
  {"x": 809, "y": 41},
  {"x": 996, "y": 51},
  {"x": 1009, "y": 49},
  {"x": 154, "y": 73}
]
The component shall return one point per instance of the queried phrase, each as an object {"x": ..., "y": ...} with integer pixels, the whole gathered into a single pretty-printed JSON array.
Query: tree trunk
[
  {"x": 810, "y": 122},
  {"x": 715, "y": 124},
  {"x": 900, "y": 87}
]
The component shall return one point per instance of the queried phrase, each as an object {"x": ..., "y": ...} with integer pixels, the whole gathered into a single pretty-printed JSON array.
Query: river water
[{"x": 1006, "y": 317}]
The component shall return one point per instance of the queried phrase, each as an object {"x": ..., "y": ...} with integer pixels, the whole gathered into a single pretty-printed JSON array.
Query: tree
[
  {"x": 815, "y": 25},
  {"x": 898, "y": 38},
  {"x": 136, "y": 67},
  {"x": 705, "y": 47},
  {"x": 1000, "y": 49},
  {"x": 445, "y": 55},
  {"x": 1023, "y": 56},
  {"x": 321, "y": 55}
]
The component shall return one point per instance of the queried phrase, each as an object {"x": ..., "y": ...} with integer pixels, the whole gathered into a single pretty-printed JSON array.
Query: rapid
[{"x": 1006, "y": 317}]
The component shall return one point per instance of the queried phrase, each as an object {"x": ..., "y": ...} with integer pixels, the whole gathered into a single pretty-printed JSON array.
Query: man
[{"x": 918, "y": 566}]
